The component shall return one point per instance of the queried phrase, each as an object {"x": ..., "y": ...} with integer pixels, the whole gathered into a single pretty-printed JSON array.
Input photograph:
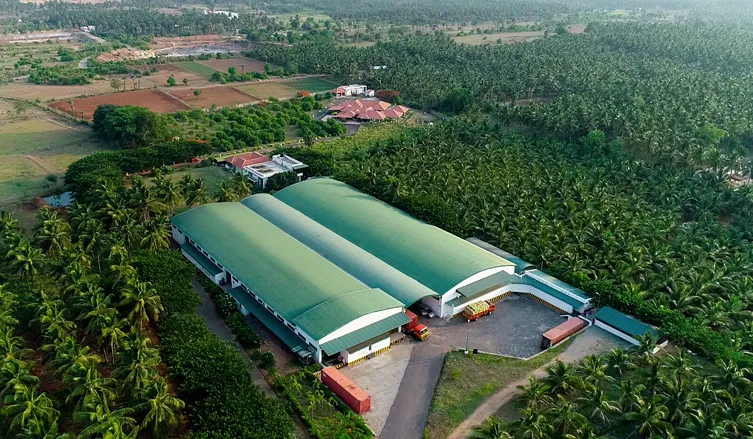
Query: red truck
[
  {"x": 561, "y": 332},
  {"x": 474, "y": 311},
  {"x": 421, "y": 332},
  {"x": 341, "y": 386}
]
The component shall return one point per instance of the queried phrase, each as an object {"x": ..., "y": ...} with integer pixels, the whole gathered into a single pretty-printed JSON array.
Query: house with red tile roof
[
  {"x": 367, "y": 110},
  {"x": 240, "y": 161}
]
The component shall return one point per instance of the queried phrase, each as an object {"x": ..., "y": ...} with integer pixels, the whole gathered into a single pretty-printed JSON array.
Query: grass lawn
[
  {"x": 313, "y": 85},
  {"x": 466, "y": 381},
  {"x": 266, "y": 90},
  {"x": 212, "y": 175},
  {"x": 33, "y": 149},
  {"x": 196, "y": 67}
]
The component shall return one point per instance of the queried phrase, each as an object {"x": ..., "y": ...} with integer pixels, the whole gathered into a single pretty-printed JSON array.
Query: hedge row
[
  {"x": 214, "y": 380},
  {"x": 228, "y": 309}
]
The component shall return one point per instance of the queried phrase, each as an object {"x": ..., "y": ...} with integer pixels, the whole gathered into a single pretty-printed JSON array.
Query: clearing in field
[
  {"x": 196, "y": 67},
  {"x": 499, "y": 38},
  {"x": 218, "y": 96},
  {"x": 241, "y": 64},
  {"x": 287, "y": 88},
  {"x": 313, "y": 85},
  {"x": 46, "y": 93},
  {"x": 154, "y": 100},
  {"x": 164, "y": 71},
  {"x": 33, "y": 149}
]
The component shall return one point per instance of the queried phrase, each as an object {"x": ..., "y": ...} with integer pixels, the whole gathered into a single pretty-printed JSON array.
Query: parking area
[
  {"x": 515, "y": 329},
  {"x": 380, "y": 377}
]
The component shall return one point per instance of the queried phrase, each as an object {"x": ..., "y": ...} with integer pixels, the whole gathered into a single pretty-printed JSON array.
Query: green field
[
  {"x": 195, "y": 67},
  {"x": 33, "y": 149},
  {"x": 212, "y": 176},
  {"x": 313, "y": 85}
]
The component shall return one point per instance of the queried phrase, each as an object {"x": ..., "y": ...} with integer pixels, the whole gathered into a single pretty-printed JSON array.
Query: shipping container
[
  {"x": 561, "y": 332},
  {"x": 413, "y": 321},
  {"x": 352, "y": 395}
]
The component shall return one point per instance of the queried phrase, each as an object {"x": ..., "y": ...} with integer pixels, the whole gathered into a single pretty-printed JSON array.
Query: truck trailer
[
  {"x": 561, "y": 332},
  {"x": 340, "y": 385},
  {"x": 474, "y": 311}
]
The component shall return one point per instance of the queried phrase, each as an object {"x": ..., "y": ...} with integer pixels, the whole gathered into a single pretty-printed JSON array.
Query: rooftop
[
  {"x": 431, "y": 256},
  {"x": 240, "y": 161},
  {"x": 623, "y": 322},
  {"x": 290, "y": 277}
]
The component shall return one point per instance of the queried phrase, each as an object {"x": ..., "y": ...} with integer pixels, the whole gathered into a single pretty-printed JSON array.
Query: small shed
[{"x": 622, "y": 325}]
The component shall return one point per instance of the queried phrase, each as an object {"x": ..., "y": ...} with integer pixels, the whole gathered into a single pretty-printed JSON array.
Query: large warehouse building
[{"x": 330, "y": 270}]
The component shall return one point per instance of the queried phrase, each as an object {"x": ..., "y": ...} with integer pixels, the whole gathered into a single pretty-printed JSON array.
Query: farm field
[
  {"x": 164, "y": 71},
  {"x": 155, "y": 100},
  {"x": 195, "y": 67},
  {"x": 241, "y": 64},
  {"x": 23, "y": 90},
  {"x": 33, "y": 149},
  {"x": 287, "y": 88},
  {"x": 502, "y": 37},
  {"x": 218, "y": 96},
  {"x": 313, "y": 85}
]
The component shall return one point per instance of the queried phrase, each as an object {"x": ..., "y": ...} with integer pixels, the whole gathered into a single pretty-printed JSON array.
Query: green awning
[
  {"x": 483, "y": 286},
  {"x": 624, "y": 323},
  {"x": 199, "y": 257},
  {"x": 279, "y": 329},
  {"x": 363, "y": 334}
]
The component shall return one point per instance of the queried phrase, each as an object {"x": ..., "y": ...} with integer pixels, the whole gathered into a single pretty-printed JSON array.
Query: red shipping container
[
  {"x": 340, "y": 385},
  {"x": 561, "y": 332}
]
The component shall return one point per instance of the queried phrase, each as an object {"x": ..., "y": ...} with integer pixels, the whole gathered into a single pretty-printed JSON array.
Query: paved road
[{"x": 407, "y": 418}]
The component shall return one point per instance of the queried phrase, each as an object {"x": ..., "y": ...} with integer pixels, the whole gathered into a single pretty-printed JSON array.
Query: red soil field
[
  {"x": 159, "y": 78},
  {"x": 154, "y": 100},
  {"x": 219, "y": 96},
  {"x": 249, "y": 65}
]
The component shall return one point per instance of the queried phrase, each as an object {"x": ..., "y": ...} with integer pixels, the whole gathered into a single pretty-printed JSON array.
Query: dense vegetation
[
  {"x": 246, "y": 127},
  {"x": 215, "y": 381},
  {"x": 664, "y": 105},
  {"x": 633, "y": 394},
  {"x": 670, "y": 245}
]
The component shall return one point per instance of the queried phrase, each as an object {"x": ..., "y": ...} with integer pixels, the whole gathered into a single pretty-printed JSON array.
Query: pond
[{"x": 61, "y": 200}]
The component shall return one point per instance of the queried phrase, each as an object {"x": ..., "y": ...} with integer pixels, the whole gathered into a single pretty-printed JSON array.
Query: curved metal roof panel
[
  {"x": 431, "y": 256},
  {"x": 359, "y": 263},
  {"x": 292, "y": 278}
]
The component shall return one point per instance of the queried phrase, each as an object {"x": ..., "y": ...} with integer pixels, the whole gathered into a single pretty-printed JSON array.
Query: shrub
[
  {"x": 225, "y": 304},
  {"x": 246, "y": 336},
  {"x": 267, "y": 361}
]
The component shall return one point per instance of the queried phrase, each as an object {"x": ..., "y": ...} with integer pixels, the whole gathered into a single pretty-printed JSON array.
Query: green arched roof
[
  {"x": 302, "y": 286},
  {"x": 431, "y": 256},
  {"x": 353, "y": 259}
]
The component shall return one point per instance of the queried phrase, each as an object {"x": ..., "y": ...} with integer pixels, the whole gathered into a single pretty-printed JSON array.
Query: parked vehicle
[
  {"x": 340, "y": 385},
  {"x": 561, "y": 332},
  {"x": 417, "y": 330},
  {"x": 474, "y": 311},
  {"x": 423, "y": 310}
]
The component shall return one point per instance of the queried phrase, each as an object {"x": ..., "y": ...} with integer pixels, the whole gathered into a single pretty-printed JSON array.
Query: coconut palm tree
[
  {"x": 26, "y": 407},
  {"x": 101, "y": 422},
  {"x": 240, "y": 185},
  {"x": 618, "y": 362},
  {"x": 490, "y": 429},
  {"x": 156, "y": 235},
  {"x": 197, "y": 193},
  {"x": 649, "y": 419},
  {"x": 39, "y": 430},
  {"x": 26, "y": 260},
  {"x": 87, "y": 386},
  {"x": 534, "y": 395},
  {"x": 561, "y": 379},
  {"x": 137, "y": 367},
  {"x": 142, "y": 302},
  {"x": 161, "y": 409}
]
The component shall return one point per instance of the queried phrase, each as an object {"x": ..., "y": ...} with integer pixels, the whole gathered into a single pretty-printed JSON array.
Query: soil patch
[
  {"x": 218, "y": 96},
  {"x": 154, "y": 100},
  {"x": 241, "y": 64}
]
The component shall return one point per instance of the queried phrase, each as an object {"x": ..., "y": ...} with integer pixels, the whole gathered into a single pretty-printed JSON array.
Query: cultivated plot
[
  {"x": 287, "y": 88},
  {"x": 241, "y": 64},
  {"x": 154, "y": 100},
  {"x": 217, "y": 96},
  {"x": 195, "y": 67}
]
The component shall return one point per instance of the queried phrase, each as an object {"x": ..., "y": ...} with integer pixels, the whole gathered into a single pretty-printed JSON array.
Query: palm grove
[{"x": 78, "y": 310}]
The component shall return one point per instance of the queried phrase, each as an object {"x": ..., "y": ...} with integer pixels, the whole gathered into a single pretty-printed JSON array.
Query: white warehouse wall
[
  {"x": 620, "y": 334},
  {"x": 359, "y": 323},
  {"x": 350, "y": 357},
  {"x": 446, "y": 311}
]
